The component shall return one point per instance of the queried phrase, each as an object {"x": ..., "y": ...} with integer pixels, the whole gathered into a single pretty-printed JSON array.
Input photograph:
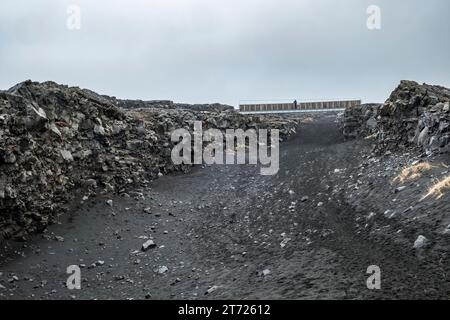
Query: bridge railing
[{"x": 292, "y": 106}]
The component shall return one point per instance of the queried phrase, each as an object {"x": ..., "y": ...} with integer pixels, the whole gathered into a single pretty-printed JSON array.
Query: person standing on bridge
[{"x": 295, "y": 104}]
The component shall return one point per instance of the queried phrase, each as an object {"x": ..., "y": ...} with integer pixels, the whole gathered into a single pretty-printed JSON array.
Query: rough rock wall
[
  {"x": 413, "y": 116},
  {"x": 57, "y": 140},
  {"x": 360, "y": 121}
]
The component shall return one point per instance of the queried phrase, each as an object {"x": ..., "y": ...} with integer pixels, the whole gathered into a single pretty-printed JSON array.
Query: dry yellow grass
[
  {"x": 437, "y": 190},
  {"x": 370, "y": 137},
  {"x": 412, "y": 172}
]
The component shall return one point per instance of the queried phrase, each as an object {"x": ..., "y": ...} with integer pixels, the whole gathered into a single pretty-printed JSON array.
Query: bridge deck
[{"x": 292, "y": 111}]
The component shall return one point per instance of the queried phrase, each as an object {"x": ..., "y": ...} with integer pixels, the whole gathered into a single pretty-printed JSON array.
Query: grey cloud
[{"x": 217, "y": 50}]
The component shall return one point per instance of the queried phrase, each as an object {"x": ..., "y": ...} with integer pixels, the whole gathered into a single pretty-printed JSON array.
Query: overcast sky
[{"x": 227, "y": 50}]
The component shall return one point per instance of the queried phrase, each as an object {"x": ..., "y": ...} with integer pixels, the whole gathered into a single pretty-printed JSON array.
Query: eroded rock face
[
  {"x": 413, "y": 116},
  {"x": 360, "y": 121},
  {"x": 55, "y": 140}
]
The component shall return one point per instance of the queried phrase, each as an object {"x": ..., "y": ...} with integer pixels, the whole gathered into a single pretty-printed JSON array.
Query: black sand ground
[{"x": 221, "y": 227}]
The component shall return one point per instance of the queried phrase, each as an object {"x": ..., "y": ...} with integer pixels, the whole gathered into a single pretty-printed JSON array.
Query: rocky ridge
[
  {"x": 413, "y": 116},
  {"x": 59, "y": 143},
  {"x": 168, "y": 104},
  {"x": 400, "y": 188}
]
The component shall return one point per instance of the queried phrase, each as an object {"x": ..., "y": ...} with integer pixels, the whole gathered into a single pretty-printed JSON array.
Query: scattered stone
[
  {"x": 211, "y": 290},
  {"x": 148, "y": 245},
  {"x": 67, "y": 155},
  {"x": 447, "y": 230},
  {"x": 408, "y": 209},
  {"x": 265, "y": 272},
  {"x": 371, "y": 216},
  {"x": 390, "y": 214},
  {"x": 284, "y": 242},
  {"x": 99, "y": 263},
  {"x": 421, "y": 242},
  {"x": 162, "y": 269}
]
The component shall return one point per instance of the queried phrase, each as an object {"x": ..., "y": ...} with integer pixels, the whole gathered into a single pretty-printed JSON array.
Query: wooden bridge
[{"x": 294, "y": 107}]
